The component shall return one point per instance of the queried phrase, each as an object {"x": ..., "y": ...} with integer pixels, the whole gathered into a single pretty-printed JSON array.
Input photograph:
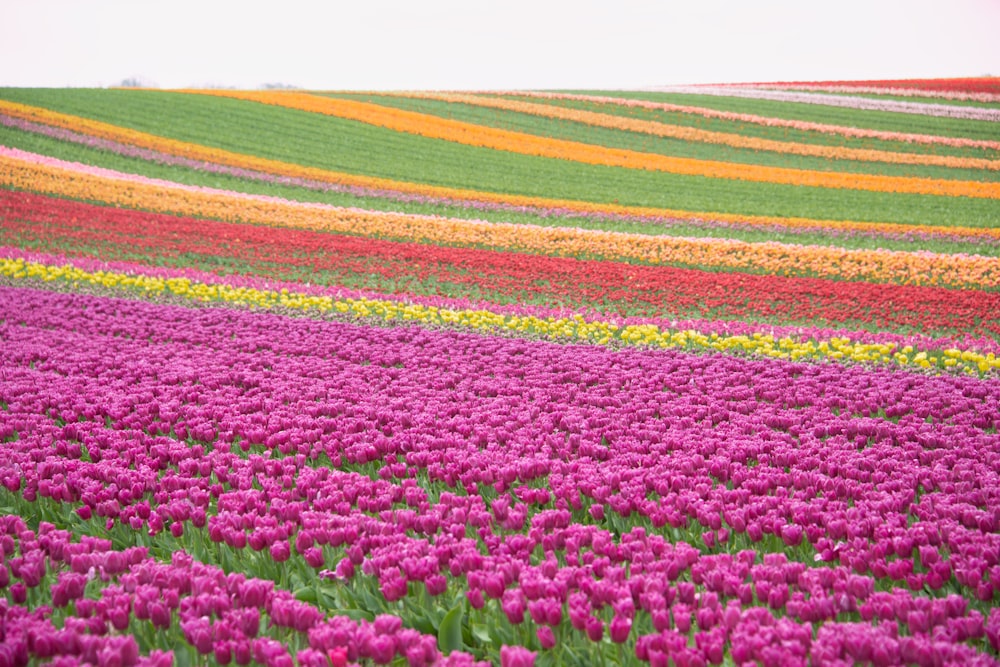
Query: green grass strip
[
  {"x": 757, "y": 130},
  {"x": 875, "y": 120},
  {"x": 563, "y": 329},
  {"x": 624, "y": 139},
  {"x": 78, "y": 153},
  {"x": 331, "y": 143}
]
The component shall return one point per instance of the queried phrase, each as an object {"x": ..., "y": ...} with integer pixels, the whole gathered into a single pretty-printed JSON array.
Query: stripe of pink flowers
[
  {"x": 322, "y": 186},
  {"x": 707, "y": 327},
  {"x": 734, "y": 245},
  {"x": 856, "y": 132},
  {"x": 862, "y": 103},
  {"x": 397, "y": 195},
  {"x": 901, "y": 92}
]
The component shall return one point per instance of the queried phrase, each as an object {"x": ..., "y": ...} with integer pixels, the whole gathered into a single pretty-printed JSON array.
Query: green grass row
[
  {"x": 77, "y": 153},
  {"x": 890, "y": 121},
  {"x": 636, "y": 141},
  {"x": 386, "y": 277},
  {"x": 760, "y": 131},
  {"x": 317, "y": 140},
  {"x": 908, "y": 98}
]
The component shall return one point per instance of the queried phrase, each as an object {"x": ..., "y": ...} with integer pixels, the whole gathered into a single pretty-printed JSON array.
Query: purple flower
[
  {"x": 516, "y": 656},
  {"x": 791, "y": 534},
  {"x": 198, "y": 633},
  {"x": 223, "y": 651},
  {"x": 271, "y": 653},
  {"x": 159, "y": 615},
  {"x": 595, "y": 629},
  {"x": 313, "y": 557},
  {"x": 436, "y": 584},
  {"x": 394, "y": 587},
  {"x": 620, "y": 628},
  {"x": 475, "y": 597},
  {"x": 280, "y": 551},
  {"x": 513, "y": 605}
]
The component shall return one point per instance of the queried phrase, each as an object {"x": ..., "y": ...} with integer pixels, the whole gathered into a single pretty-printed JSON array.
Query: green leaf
[
  {"x": 450, "y": 632},
  {"x": 481, "y": 633},
  {"x": 353, "y": 614},
  {"x": 185, "y": 656},
  {"x": 370, "y": 601},
  {"x": 422, "y": 624},
  {"x": 306, "y": 594}
]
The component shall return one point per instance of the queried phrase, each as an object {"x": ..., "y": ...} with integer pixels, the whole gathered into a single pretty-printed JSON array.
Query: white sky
[{"x": 470, "y": 44}]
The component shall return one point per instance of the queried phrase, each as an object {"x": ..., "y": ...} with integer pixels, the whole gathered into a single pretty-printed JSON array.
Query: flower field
[{"x": 707, "y": 375}]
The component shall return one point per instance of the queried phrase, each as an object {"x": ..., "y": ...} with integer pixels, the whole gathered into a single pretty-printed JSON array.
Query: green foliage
[
  {"x": 817, "y": 113},
  {"x": 77, "y": 153},
  {"x": 450, "y": 633},
  {"x": 331, "y": 143},
  {"x": 769, "y": 132},
  {"x": 612, "y": 138}
]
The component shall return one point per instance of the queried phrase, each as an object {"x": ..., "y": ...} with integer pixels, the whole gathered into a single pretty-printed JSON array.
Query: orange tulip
[
  {"x": 528, "y": 144},
  {"x": 240, "y": 160},
  {"x": 705, "y": 136},
  {"x": 968, "y": 271}
]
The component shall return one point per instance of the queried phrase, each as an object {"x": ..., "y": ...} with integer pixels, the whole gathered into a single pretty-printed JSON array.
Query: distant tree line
[{"x": 140, "y": 82}]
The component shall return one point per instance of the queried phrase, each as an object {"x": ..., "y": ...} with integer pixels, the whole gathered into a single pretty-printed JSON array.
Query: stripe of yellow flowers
[{"x": 574, "y": 328}]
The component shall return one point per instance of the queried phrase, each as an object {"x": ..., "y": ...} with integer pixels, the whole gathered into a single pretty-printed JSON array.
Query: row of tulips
[
  {"x": 975, "y": 84},
  {"x": 111, "y": 607},
  {"x": 990, "y": 98},
  {"x": 28, "y": 171},
  {"x": 76, "y": 600},
  {"x": 471, "y": 134},
  {"x": 978, "y": 89},
  {"x": 116, "y": 607},
  {"x": 843, "y": 101},
  {"x": 280, "y": 172},
  {"x": 563, "y": 329},
  {"x": 414, "y": 493},
  {"x": 547, "y": 211},
  {"x": 754, "y": 119},
  {"x": 560, "y": 491},
  {"x": 159, "y": 157},
  {"x": 270, "y": 291},
  {"x": 602, "y": 288},
  {"x": 694, "y": 134}
]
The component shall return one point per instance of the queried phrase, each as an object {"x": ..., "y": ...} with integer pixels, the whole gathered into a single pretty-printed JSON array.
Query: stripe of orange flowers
[
  {"x": 219, "y": 156},
  {"x": 774, "y": 258},
  {"x": 767, "y": 121},
  {"x": 685, "y": 133},
  {"x": 471, "y": 134}
]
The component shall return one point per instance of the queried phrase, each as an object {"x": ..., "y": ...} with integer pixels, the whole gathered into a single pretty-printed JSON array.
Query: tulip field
[{"x": 689, "y": 376}]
